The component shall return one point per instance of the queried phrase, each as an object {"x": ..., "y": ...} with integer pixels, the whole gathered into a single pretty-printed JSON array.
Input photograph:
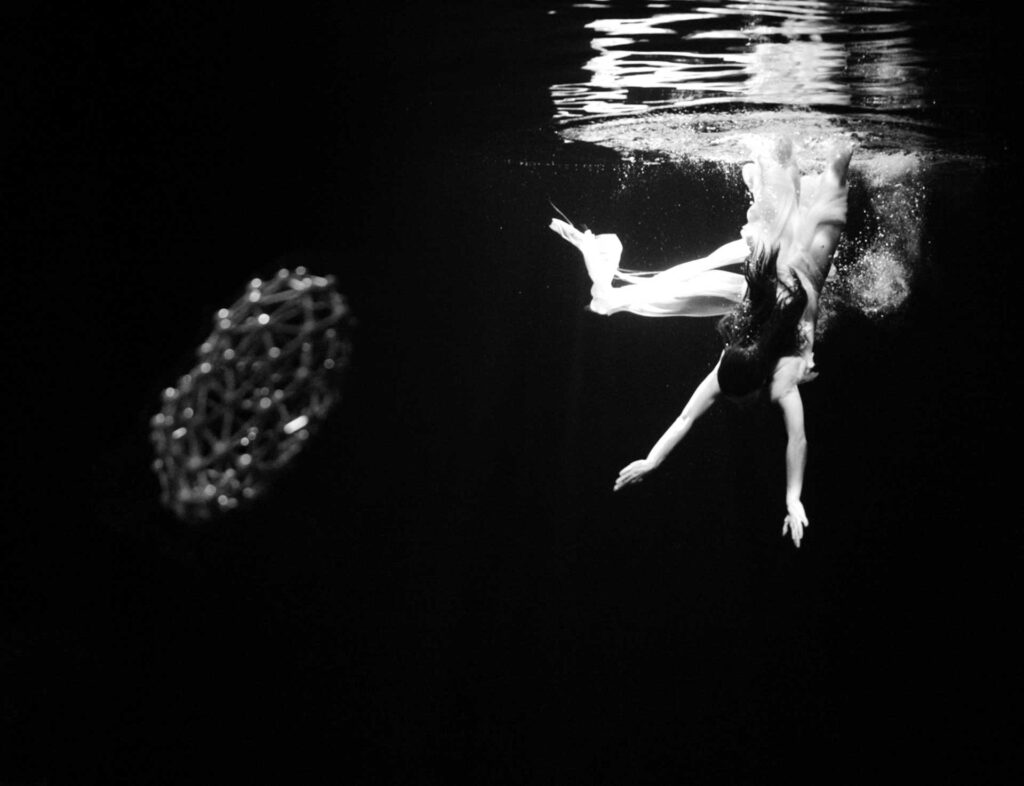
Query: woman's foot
[{"x": 601, "y": 254}]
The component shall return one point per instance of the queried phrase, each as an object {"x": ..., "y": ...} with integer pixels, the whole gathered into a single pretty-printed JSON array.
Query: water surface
[{"x": 687, "y": 83}]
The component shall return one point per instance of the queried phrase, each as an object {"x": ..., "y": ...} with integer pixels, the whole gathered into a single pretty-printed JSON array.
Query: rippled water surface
[
  {"x": 685, "y": 54},
  {"x": 690, "y": 83},
  {"x": 691, "y": 78}
]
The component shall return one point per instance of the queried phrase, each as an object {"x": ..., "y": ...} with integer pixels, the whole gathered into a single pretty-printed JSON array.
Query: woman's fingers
[
  {"x": 632, "y": 473},
  {"x": 629, "y": 470},
  {"x": 625, "y": 480},
  {"x": 794, "y": 526}
]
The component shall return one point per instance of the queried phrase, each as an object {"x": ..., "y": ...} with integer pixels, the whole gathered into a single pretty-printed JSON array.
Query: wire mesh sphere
[{"x": 263, "y": 382}]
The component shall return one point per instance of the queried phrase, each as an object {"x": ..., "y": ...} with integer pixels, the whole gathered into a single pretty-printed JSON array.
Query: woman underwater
[{"x": 770, "y": 310}]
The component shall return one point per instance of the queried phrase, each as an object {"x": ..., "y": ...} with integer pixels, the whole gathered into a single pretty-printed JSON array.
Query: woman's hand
[
  {"x": 796, "y": 521},
  {"x": 634, "y": 473}
]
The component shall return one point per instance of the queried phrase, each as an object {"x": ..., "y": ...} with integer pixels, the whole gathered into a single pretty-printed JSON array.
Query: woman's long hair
[{"x": 762, "y": 328}]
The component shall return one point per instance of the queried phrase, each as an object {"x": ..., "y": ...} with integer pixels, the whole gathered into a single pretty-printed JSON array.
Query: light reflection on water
[
  {"x": 689, "y": 83},
  {"x": 799, "y": 53}
]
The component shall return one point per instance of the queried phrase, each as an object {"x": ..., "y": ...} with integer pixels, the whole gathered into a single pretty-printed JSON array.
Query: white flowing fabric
[
  {"x": 785, "y": 216},
  {"x": 691, "y": 289},
  {"x": 788, "y": 210}
]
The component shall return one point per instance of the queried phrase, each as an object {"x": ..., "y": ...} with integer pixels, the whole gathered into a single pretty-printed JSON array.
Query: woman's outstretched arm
[
  {"x": 796, "y": 460},
  {"x": 701, "y": 400}
]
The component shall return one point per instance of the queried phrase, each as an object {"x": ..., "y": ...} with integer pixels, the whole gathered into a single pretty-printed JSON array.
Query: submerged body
[
  {"x": 793, "y": 224},
  {"x": 801, "y": 218}
]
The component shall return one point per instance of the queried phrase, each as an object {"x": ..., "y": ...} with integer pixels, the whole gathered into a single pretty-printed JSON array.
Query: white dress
[
  {"x": 786, "y": 213},
  {"x": 692, "y": 289}
]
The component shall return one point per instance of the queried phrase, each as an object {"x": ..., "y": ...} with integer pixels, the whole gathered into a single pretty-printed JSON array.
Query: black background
[{"x": 443, "y": 589}]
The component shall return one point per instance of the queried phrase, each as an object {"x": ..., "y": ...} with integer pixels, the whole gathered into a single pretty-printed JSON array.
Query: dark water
[{"x": 445, "y": 589}]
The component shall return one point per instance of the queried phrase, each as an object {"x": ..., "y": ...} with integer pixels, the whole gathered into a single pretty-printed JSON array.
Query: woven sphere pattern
[{"x": 263, "y": 382}]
